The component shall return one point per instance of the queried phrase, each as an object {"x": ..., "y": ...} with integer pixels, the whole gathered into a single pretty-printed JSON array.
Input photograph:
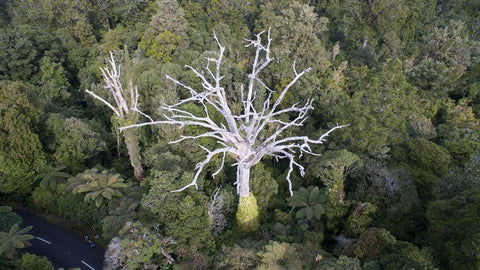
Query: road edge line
[
  {"x": 41, "y": 239},
  {"x": 87, "y": 265}
]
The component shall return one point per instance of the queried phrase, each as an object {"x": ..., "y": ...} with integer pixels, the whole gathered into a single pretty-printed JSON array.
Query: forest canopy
[{"x": 397, "y": 187}]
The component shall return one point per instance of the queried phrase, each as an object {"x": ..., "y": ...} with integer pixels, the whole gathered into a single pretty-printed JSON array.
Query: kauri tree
[
  {"x": 256, "y": 131},
  {"x": 125, "y": 109}
]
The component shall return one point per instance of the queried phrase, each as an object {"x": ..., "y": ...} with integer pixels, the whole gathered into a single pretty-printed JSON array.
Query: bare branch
[
  {"x": 144, "y": 124},
  {"x": 277, "y": 144},
  {"x": 111, "y": 76},
  {"x": 221, "y": 166},
  {"x": 285, "y": 90},
  {"x": 200, "y": 165},
  {"x": 257, "y": 66},
  {"x": 204, "y": 135},
  {"x": 143, "y": 114},
  {"x": 238, "y": 134},
  {"x": 103, "y": 101},
  {"x": 125, "y": 109}
]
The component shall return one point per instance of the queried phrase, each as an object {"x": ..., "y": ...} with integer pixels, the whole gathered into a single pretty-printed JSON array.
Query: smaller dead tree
[
  {"x": 243, "y": 136},
  {"x": 125, "y": 110}
]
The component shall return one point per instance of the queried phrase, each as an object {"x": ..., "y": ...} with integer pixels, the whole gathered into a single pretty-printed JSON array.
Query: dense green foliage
[
  {"x": 8, "y": 218},
  {"x": 14, "y": 239},
  {"x": 31, "y": 261},
  {"x": 399, "y": 188}
]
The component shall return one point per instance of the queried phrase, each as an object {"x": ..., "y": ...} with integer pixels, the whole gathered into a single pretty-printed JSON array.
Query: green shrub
[
  {"x": 404, "y": 255},
  {"x": 237, "y": 258},
  {"x": 372, "y": 244},
  {"x": 360, "y": 219},
  {"x": 461, "y": 150},
  {"x": 44, "y": 198},
  {"x": 279, "y": 255},
  {"x": 180, "y": 215},
  {"x": 341, "y": 263},
  {"x": 8, "y": 218},
  {"x": 31, "y": 261},
  {"x": 72, "y": 206},
  {"x": 310, "y": 203},
  {"x": 142, "y": 247},
  {"x": 453, "y": 230},
  {"x": 429, "y": 156}
]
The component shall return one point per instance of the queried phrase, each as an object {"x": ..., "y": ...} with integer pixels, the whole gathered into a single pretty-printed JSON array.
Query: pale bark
[
  {"x": 240, "y": 137},
  {"x": 243, "y": 179},
  {"x": 125, "y": 110},
  {"x": 133, "y": 148}
]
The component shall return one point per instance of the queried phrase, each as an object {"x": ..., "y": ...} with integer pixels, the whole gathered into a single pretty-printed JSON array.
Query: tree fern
[
  {"x": 97, "y": 186},
  {"x": 309, "y": 202},
  {"x": 50, "y": 176},
  {"x": 119, "y": 213},
  {"x": 14, "y": 239}
]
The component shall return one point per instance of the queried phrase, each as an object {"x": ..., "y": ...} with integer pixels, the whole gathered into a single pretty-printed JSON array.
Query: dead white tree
[
  {"x": 125, "y": 110},
  {"x": 240, "y": 137}
]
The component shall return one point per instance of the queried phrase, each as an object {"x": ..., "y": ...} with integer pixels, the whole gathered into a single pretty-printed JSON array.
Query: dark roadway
[{"x": 66, "y": 249}]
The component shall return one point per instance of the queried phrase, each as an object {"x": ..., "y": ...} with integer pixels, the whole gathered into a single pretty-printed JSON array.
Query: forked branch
[{"x": 240, "y": 136}]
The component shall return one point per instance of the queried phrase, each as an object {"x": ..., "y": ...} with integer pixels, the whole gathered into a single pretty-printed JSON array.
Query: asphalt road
[{"x": 63, "y": 248}]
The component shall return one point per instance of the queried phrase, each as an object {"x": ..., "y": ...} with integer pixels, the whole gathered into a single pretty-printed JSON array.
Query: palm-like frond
[
  {"x": 51, "y": 176},
  {"x": 14, "y": 239},
  {"x": 124, "y": 211},
  {"x": 310, "y": 202},
  {"x": 98, "y": 186}
]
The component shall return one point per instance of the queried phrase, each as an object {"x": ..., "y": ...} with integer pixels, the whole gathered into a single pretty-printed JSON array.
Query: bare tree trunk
[
  {"x": 124, "y": 108},
  {"x": 117, "y": 135},
  {"x": 247, "y": 212},
  {"x": 133, "y": 148},
  {"x": 248, "y": 136},
  {"x": 243, "y": 179}
]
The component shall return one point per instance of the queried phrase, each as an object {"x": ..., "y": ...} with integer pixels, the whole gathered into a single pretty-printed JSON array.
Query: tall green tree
[
  {"x": 379, "y": 29},
  {"x": 142, "y": 247},
  {"x": 447, "y": 53},
  {"x": 236, "y": 14},
  {"x": 72, "y": 141},
  {"x": 297, "y": 31},
  {"x": 460, "y": 10},
  {"x": 383, "y": 108},
  {"x": 54, "y": 84},
  {"x": 181, "y": 216},
  {"x": 166, "y": 34},
  {"x": 4, "y": 16},
  {"x": 453, "y": 233},
  {"x": 21, "y": 152},
  {"x": 22, "y": 48},
  {"x": 332, "y": 169},
  {"x": 114, "y": 12},
  {"x": 50, "y": 13}
]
